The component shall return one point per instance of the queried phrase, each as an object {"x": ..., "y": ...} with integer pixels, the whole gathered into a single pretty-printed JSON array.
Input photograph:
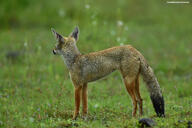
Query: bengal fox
[{"x": 93, "y": 66}]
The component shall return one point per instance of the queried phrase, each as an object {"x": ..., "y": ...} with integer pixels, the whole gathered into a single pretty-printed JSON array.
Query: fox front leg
[
  {"x": 84, "y": 99},
  {"x": 77, "y": 101}
]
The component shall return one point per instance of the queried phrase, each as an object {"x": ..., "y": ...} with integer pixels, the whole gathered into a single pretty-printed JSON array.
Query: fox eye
[{"x": 59, "y": 46}]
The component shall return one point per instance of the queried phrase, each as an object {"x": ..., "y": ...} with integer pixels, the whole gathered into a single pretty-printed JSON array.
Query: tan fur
[{"x": 93, "y": 66}]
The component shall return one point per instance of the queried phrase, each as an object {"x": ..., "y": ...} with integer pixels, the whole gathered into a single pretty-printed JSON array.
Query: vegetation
[{"x": 35, "y": 88}]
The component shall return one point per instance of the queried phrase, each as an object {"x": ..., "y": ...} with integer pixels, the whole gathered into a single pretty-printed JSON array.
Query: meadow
[{"x": 35, "y": 88}]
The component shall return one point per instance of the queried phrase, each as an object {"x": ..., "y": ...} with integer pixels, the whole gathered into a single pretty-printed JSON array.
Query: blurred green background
[{"x": 35, "y": 88}]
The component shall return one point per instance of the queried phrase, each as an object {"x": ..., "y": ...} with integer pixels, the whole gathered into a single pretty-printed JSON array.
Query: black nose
[{"x": 54, "y": 52}]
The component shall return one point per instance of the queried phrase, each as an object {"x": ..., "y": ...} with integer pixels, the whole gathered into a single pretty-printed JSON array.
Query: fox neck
[{"x": 70, "y": 55}]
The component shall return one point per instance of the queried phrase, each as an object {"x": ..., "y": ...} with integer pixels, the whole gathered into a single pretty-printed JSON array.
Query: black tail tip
[{"x": 158, "y": 104}]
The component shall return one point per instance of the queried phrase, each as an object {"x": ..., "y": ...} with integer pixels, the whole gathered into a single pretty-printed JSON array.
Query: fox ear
[
  {"x": 58, "y": 37},
  {"x": 75, "y": 33}
]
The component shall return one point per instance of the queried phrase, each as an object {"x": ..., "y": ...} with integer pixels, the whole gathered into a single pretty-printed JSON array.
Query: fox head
[{"x": 65, "y": 44}]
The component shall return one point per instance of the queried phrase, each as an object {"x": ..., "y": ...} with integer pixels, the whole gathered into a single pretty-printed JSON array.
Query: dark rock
[
  {"x": 189, "y": 123},
  {"x": 12, "y": 54},
  {"x": 146, "y": 122}
]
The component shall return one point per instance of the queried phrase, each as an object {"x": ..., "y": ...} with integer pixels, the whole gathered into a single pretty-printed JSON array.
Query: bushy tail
[{"x": 153, "y": 87}]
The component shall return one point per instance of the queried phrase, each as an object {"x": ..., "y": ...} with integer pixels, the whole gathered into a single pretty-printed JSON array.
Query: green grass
[{"x": 35, "y": 88}]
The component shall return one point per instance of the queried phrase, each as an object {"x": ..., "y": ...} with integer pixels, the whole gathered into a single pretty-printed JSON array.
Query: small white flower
[
  {"x": 25, "y": 44},
  {"x": 121, "y": 44},
  {"x": 118, "y": 39},
  {"x": 119, "y": 23},
  {"x": 39, "y": 47},
  {"x": 38, "y": 109},
  {"x": 61, "y": 13},
  {"x": 96, "y": 106},
  {"x": 113, "y": 32},
  {"x": 87, "y": 6},
  {"x": 31, "y": 119},
  {"x": 94, "y": 22}
]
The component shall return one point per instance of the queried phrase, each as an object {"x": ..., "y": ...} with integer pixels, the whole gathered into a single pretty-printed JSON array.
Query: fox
[{"x": 85, "y": 68}]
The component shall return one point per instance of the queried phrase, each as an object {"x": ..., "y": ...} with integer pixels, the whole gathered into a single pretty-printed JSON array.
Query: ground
[{"x": 35, "y": 88}]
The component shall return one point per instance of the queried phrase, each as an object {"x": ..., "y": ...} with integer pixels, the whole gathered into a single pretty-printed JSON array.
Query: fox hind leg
[
  {"x": 129, "y": 84},
  {"x": 139, "y": 99}
]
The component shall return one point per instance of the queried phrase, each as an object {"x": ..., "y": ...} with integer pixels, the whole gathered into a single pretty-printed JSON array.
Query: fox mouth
[{"x": 54, "y": 52}]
